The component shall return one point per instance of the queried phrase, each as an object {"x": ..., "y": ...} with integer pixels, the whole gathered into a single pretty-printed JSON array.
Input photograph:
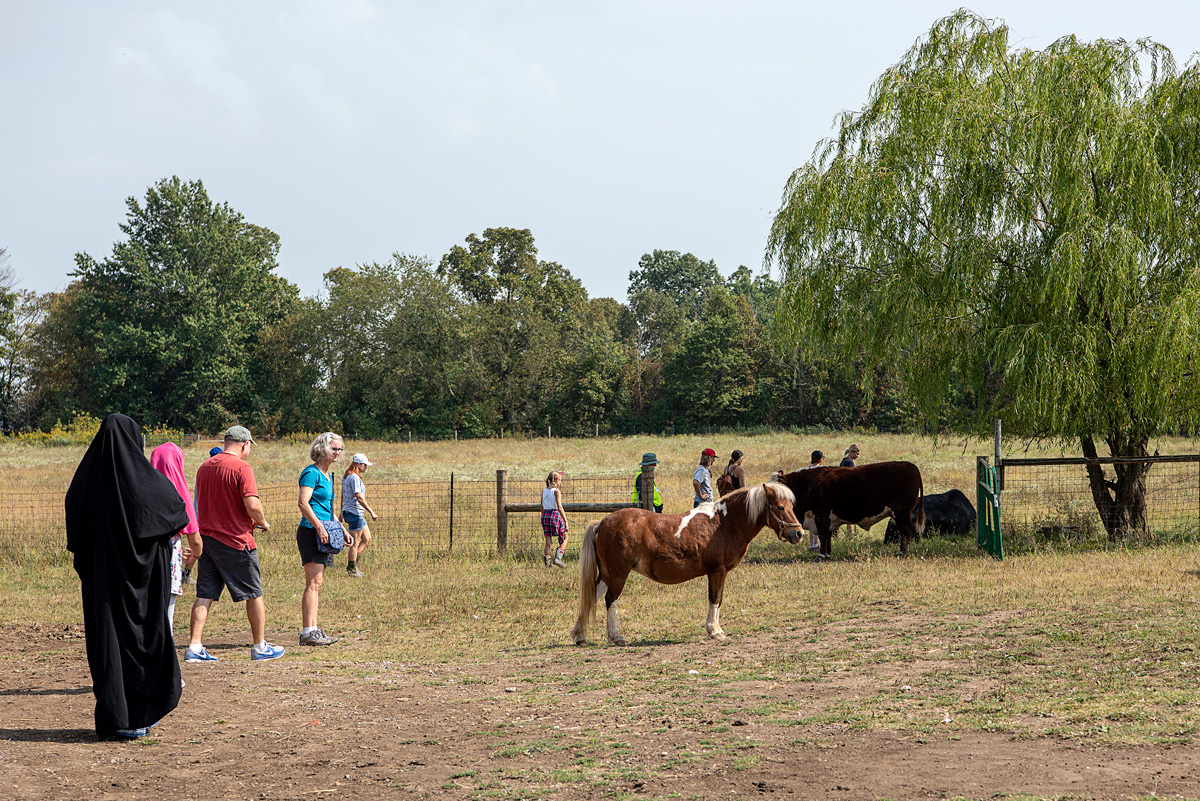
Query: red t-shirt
[{"x": 221, "y": 483}]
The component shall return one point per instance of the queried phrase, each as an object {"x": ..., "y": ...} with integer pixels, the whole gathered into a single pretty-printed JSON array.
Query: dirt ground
[{"x": 306, "y": 729}]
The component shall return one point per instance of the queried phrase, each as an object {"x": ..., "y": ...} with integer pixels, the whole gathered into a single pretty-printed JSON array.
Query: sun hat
[
  {"x": 361, "y": 458},
  {"x": 239, "y": 434},
  {"x": 649, "y": 458}
]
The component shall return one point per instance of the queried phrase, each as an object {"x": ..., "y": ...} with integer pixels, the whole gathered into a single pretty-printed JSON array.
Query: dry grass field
[{"x": 1058, "y": 673}]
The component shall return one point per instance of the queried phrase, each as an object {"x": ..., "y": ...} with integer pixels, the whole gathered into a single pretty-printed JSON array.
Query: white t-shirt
[
  {"x": 548, "y": 499},
  {"x": 351, "y": 484}
]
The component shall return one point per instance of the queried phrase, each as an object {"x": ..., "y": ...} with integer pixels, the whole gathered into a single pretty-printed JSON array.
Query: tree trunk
[{"x": 1121, "y": 503}]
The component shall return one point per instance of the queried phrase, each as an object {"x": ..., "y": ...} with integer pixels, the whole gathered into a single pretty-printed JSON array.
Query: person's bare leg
[
  {"x": 199, "y": 618},
  {"x": 256, "y": 613},
  {"x": 314, "y": 577}
]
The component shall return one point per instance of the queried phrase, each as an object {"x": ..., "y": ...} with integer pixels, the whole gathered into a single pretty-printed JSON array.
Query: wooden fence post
[
  {"x": 501, "y": 512},
  {"x": 646, "y": 493}
]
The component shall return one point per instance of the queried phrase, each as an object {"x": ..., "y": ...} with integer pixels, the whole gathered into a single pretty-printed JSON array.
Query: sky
[{"x": 356, "y": 129}]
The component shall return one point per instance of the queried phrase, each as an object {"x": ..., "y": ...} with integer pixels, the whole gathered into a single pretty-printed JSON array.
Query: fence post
[
  {"x": 501, "y": 515},
  {"x": 999, "y": 462},
  {"x": 646, "y": 492},
  {"x": 452, "y": 510}
]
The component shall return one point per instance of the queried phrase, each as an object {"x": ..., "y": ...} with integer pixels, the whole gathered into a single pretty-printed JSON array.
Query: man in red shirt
[{"x": 229, "y": 510}]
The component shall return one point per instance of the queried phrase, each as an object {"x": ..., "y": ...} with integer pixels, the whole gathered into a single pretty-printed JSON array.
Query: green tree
[
  {"x": 681, "y": 277},
  {"x": 522, "y": 309},
  {"x": 59, "y": 379},
  {"x": 19, "y": 311},
  {"x": 708, "y": 380},
  {"x": 1024, "y": 221},
  {"x": 172, "y": 318},
  {"x": 290, "y": 375}
]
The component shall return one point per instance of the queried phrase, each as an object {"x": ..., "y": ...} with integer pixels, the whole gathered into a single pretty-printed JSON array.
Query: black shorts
[
  {"x": 306, "y": 543},
  {"x": 221, "y": 566}
]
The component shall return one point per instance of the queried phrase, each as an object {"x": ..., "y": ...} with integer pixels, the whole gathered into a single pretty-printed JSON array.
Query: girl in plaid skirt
[{"x": 554, "y": 519}]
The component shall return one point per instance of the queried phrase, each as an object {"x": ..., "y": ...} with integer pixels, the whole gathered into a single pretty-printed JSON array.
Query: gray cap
[{"x": 239, "y": 434}]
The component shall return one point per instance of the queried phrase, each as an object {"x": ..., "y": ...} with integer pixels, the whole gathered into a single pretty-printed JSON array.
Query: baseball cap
[
  {"x": 361, "y": 458},
  {"x": 708, "y": 452},
  {"x": 239, "y": 434},
  {"x": 214, "y": 451}
]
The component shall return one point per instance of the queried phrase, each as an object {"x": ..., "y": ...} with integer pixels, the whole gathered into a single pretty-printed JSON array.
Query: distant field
[
  {"x": 410, "y": 485},
  {"x": 945, "y": 462}
]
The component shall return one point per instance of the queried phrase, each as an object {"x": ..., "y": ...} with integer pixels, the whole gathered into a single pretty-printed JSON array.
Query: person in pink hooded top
[{"x": 168, "y": 460}]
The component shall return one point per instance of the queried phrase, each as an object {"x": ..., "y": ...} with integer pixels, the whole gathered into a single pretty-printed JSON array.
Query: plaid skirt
[{"x": 553, "y": 524}]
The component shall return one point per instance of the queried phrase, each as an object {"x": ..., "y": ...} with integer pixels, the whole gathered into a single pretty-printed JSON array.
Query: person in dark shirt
[{"x": 849, "y": 456}]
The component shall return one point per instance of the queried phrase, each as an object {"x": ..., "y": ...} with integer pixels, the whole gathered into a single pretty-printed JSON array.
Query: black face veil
[{"x": 121, "y": 514}]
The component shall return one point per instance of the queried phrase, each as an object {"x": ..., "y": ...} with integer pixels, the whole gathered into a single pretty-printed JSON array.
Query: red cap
[{"x": 708, "y": 452}]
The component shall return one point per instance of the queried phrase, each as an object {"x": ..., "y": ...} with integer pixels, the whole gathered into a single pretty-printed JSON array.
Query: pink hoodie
[{"x": 168, "y": 460}]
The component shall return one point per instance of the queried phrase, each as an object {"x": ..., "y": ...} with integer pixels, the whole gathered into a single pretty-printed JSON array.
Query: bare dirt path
[{"x": 304, "y": 729}]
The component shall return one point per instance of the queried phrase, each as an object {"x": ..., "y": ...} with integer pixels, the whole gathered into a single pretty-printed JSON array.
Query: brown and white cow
[{"x": 828, "y": 497}]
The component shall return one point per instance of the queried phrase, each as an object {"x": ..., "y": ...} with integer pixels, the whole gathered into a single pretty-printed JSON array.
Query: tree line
[{"x": 187, "y": 324}]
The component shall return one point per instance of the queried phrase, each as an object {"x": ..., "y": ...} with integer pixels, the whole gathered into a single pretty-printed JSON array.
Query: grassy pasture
[
  {"x": 1092, "y": 643},
  {"x": 32, "y": 479},
  {"x": 1095, "y": 645}
]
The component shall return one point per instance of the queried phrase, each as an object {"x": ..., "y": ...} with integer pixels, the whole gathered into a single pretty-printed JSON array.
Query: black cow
[
  {"x": 827, "y": 497},
  {"x": 949, "y": 512}
]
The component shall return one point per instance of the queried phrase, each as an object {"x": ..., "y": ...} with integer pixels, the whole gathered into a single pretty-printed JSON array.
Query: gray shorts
[
  {"x": 221, "y": 566},
  {"x": 306, "y": 543}
]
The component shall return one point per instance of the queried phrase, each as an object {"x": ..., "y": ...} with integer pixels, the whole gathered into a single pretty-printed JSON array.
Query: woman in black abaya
[{"x": 121, "y": 515}]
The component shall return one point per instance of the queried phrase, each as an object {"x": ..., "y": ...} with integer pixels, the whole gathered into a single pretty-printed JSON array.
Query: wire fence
[
  {"x": 1052, "y": 499},
  {"x": 457, "y": 514}
]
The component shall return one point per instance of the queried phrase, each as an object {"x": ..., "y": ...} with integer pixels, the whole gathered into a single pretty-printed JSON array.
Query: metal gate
[{"x": 987, "y": 502}]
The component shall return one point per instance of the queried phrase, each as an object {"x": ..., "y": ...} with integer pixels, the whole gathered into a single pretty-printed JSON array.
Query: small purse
[{"x": 337, "y": 537}]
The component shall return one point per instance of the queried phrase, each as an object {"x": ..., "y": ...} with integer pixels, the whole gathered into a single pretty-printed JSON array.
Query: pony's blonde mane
[{"x": 756, "y": 497}]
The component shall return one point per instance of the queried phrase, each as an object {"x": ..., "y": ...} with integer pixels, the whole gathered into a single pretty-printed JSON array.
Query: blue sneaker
[
  {"x": 131, "y": 734},
  {"x": 134, "y": 734},
  {"x": 272, "y": 652},
  {"x": 203, "y": 656}
]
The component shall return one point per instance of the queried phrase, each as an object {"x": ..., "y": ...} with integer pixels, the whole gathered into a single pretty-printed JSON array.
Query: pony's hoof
[
  {"x": 619, "y": 641},
  {"x": 581, "y": 642},
  {"x": 822, "y": 557},
  {"x": 719, "y": 636}
]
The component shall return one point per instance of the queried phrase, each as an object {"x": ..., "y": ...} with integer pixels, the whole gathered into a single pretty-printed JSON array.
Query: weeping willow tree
[{"x": 1018, "y": 226}]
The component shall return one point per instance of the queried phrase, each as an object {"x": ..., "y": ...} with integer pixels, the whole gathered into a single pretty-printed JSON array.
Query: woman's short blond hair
[{"x": 322, "y": 447}]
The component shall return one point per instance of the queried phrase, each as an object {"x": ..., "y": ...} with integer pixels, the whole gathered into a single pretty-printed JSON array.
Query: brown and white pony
[{"x": 708, "y": 541}]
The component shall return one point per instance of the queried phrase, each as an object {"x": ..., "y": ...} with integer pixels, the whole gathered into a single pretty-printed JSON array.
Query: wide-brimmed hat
[{"x": 649, "y": 458}]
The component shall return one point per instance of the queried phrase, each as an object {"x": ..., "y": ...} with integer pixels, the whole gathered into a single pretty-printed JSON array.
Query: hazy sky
[{"x": 355, "y": 129}]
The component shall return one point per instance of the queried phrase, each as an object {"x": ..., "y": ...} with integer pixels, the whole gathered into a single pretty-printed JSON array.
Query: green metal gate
[{"x": 987, "y": 504}]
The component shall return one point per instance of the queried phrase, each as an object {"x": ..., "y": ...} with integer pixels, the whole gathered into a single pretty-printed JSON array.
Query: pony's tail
[{"x": 589, "y": 577}]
